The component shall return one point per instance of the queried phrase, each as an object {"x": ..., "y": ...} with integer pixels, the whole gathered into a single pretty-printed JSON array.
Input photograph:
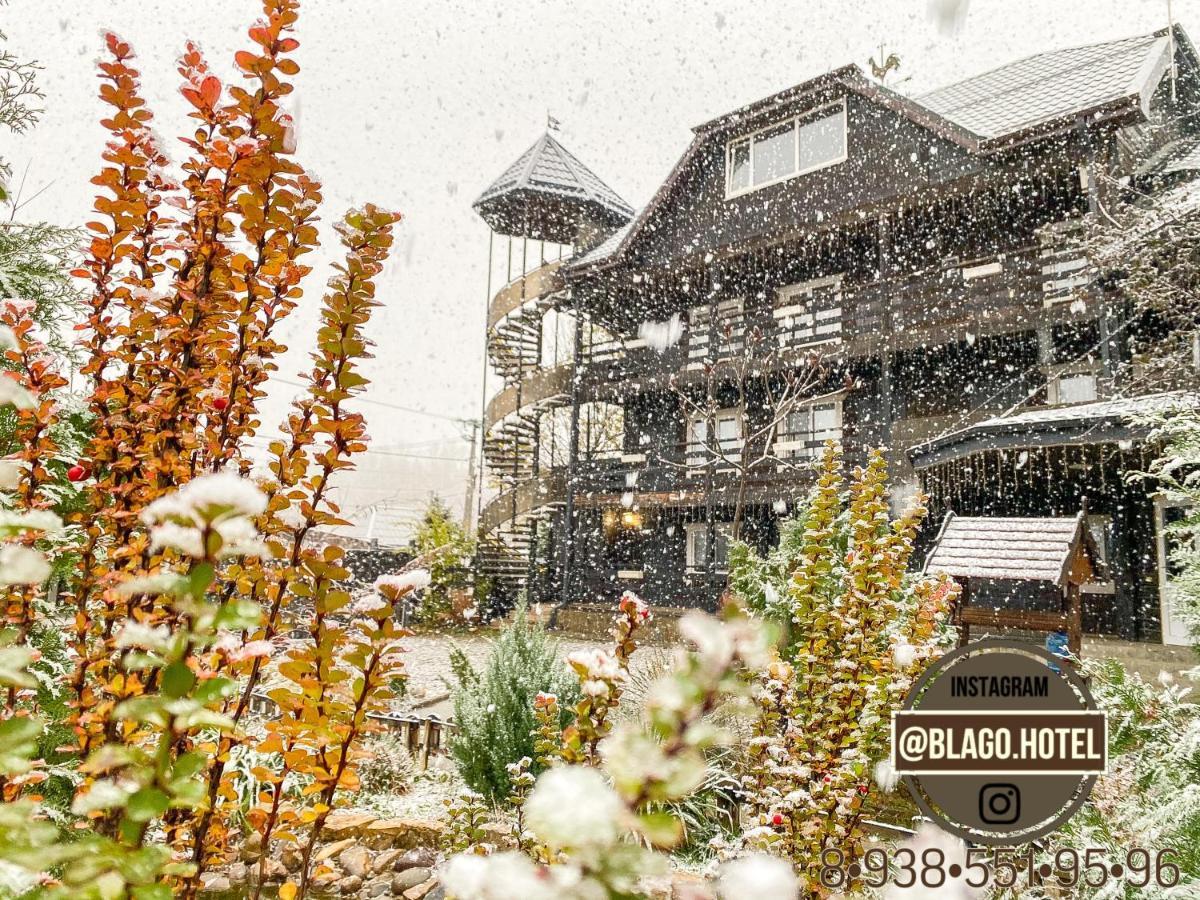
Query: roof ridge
[{"x": 919, "y": 98}]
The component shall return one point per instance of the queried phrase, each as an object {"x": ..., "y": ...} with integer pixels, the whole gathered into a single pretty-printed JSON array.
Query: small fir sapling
[{"x": 495, "y": 707}]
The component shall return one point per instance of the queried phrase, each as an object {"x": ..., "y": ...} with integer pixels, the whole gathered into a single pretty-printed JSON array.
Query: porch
[{"x": 1052, "y": 461}]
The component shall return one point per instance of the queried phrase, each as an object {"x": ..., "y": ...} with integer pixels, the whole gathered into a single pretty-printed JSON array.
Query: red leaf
[
  {"x": 210, "y": 90},
  {"x": 246, "y": 61}
]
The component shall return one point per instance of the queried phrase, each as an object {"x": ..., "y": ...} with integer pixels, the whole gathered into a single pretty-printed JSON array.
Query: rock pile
[{"x": 359, "y": 855}]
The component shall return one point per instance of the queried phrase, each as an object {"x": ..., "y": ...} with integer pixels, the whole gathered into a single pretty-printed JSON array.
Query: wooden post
[
  {"x": 423, "y": 746},
  {"x": 1074, "y": 618},
  {"x": 964, "y": 629}
]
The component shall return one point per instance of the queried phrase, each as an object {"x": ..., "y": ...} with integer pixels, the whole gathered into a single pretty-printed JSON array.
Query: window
[
  {"x": 1100, "y": 529},
  {"x": 1077, "y": 387},
  {"x": 806, "y": 428},
  {"x": 728, "y": 424},
  {"x": 809, "y": 313},
  {"x": 697, "y": 546},
  {"x": 786, "y": 149},
  {"x": 724, "y": 338}
]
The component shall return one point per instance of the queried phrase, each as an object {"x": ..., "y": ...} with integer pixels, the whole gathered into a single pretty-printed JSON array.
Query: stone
[
  {"x": 237, "y": 872},
  {"x": 420, "y": 856},
  {"x": 421, "y": 890},
  {"x": 274, "y": 870},
  {"x": 384, "y": 861},
  {"x": 215, "y": 881},
  {"x": 405, "y": 833},
  {"x": 292, "y": 857},
  {"x": 326, "y": 879},
  {"x": 376, "y": 888},
  {"x": 349, "y": 885},
  {"x": 688, "y": 886},
  {"x": 499, "y": 835},
  {"x": 355, "y": 860},
  {"x": 252, "y": 846},
  {"x": 409, "y": 878},
  {"x": 346, "y": 822},
  {"x": 331, "y": 850}
]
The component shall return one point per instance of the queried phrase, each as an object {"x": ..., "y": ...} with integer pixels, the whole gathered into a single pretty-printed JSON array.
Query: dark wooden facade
[{"x": 963, "y": 292}]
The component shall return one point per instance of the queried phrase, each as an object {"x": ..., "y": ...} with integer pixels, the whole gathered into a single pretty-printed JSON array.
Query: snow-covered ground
[{"x": 427, "y": 662}]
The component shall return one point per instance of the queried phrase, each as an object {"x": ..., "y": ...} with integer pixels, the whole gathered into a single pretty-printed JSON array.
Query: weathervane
[
  {"x": 552, "y": 124},
  {"x": 880, "y": 69}
]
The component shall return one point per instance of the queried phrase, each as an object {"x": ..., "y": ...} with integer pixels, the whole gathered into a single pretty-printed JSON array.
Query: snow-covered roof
[
  {"x": 1079, "y": 423},
  {"x": 605, "y": 247},
  {"x": 1033, "y": 549},
  {"x": 1116, "y": 409},
  {"x": 982, "y": 113},
  {"x": 549, "y": 168},
  {"x": 1051, "y": 85}
]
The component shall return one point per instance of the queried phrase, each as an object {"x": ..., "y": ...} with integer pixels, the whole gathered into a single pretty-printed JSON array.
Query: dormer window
[{"x": 786, "y": 149}]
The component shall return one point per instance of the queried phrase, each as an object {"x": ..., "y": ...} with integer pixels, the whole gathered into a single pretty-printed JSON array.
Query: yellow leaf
[{"x": 287, "y": 891}]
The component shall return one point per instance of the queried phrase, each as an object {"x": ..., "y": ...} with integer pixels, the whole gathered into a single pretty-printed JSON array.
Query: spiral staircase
[
  {"x": 528, "y": 390},
  {"x": 546, "y": 195}
]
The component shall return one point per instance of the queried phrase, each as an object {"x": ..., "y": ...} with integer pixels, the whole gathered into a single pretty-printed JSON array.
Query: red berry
[
  {"x": 220, "y": 403},
  {"x": 76, "y": 473},
  {"x": 862, "y": 789},
  {"x": 826, "y": 779},
  {"x": 777, "y": 819}
]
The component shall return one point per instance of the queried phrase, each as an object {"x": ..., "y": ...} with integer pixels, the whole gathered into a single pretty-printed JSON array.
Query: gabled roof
[
  {"x": 1026, "y": 549},
  {"x": 1031, "y": 97},
  {"x": 548, "y": 172},
  {"x": 1052, "y": 85}
]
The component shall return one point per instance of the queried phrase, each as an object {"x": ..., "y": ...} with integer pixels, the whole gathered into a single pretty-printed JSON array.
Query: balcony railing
[
  {"x": 683, "y": 470},
  {"x": 948, "y": 301}
]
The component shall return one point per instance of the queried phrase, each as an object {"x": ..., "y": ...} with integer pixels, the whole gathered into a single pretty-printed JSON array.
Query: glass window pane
[
  {"x": 697, "y": 432},
  {"x": 729, "y": 430},
  {"x": 1076, "y": 388},
  {"x": 825, "y": 419},
  {"x": 823, "y": 141},
  {"x": 775, "y": 153},
  {"x": 739, "y": 166}
]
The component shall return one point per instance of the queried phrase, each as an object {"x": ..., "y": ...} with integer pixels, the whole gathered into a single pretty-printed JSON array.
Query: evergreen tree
[
  {"x": 449, "y": 548},
  {"x": 494, "y": 708}
]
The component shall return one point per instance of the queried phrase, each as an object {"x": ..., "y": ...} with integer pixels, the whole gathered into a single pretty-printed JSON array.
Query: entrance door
[{"x": 1166, "y": 513}]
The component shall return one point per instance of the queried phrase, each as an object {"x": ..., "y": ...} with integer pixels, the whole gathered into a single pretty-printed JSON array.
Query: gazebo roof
[
  {"x": 1025, "y": 549},
  {"x": 547, "y": 192}
]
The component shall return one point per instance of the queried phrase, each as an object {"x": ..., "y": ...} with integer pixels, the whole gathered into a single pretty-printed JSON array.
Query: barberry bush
[
  {"x": 858, "y": 627},
  {"x": 191, "y": 568}
]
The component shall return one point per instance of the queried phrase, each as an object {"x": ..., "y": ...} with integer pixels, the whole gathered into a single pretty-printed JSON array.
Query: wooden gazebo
[{"x": 1018, "y": 561}]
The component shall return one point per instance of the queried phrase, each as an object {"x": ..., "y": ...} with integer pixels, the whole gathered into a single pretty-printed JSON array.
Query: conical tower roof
[{"x": 547, "y": 193}]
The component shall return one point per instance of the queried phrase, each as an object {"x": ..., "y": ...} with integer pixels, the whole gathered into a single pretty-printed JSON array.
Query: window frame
[
  {"x": 693, "y": 567},
  {"x": 795, "y": 300},
  {"x": 798, "y": 450},
  {"x": 706, "y": 451},
  {"x": 1055, "y": 376},
  {"x": 805, "y": 118}
]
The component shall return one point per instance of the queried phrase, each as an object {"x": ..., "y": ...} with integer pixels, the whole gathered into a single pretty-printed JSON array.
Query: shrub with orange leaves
[{"x": 194, "y": 568}]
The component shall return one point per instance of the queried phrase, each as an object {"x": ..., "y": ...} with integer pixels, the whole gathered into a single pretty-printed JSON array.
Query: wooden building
[{"x": 913, "y": 265}]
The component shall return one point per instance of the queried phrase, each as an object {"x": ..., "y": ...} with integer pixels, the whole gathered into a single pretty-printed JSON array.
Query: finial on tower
[{"x": 552, "y": 124}]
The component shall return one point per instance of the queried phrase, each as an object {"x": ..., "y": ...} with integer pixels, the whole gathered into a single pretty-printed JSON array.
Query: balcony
[
  {"x": 952, "y": 301},
  {"x": 669, "y": 478}
]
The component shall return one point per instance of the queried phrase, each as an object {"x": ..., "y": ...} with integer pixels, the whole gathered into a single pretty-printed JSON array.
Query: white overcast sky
[{"x": 419, "y": 105}]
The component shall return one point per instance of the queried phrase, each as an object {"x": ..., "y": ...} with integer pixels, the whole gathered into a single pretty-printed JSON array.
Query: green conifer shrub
[{"x": 494, "y": 707}]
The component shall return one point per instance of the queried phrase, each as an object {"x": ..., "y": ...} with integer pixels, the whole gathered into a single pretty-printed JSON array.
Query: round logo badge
[{"x": 999, "y": 742}]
